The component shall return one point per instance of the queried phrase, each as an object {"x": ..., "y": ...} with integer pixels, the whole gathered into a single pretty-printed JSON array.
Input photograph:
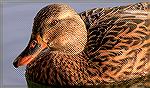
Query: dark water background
[{"x": 17, "y": 25}]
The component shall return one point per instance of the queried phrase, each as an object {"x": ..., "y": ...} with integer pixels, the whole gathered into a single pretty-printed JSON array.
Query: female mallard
[{"x": 98, "y": 46}]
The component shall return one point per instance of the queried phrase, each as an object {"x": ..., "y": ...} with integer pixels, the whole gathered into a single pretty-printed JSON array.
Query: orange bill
[{"x": 34, "y": 48}]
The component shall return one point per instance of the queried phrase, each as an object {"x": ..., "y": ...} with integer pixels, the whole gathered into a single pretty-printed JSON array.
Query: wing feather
[{"x": 120, "y": 37}]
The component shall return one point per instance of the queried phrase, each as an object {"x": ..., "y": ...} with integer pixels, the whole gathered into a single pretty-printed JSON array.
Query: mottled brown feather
[{"x": 117, "y": 49}]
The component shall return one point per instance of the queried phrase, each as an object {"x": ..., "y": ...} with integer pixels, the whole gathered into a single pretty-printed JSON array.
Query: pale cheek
[
  {"x": 50, "y": 35},
  {"x": 64, "y": 40}
]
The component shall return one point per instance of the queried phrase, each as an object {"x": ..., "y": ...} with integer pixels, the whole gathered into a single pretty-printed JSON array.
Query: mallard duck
[{"x": 97, "y": 46}]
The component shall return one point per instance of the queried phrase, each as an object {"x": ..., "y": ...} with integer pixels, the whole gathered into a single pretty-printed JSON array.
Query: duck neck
[{"x": 53, "y": 69}]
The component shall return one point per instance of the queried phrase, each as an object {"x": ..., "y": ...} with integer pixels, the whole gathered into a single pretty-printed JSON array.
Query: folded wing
[{"x": 119, "y": 40}]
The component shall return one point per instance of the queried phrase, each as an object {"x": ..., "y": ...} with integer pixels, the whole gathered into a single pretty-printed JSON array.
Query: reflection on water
[{"x": 17, "y": 25}]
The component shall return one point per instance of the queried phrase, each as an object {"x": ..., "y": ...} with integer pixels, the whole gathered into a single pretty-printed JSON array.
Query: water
[{"x": 17, "y": 25}]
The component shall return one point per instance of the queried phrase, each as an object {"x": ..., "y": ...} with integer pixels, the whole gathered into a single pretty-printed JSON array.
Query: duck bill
[{"x": 29, "y": 54}]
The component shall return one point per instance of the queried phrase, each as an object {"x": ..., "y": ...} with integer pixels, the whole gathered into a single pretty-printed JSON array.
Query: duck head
[{"x": 56, "y": 27}]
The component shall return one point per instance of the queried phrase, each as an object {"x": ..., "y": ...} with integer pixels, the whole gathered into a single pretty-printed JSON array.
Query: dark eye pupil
[{"x": 53, "y": 23}]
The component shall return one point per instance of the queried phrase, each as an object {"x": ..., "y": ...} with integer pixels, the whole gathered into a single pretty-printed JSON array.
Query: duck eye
[
  {"x": 33, "y": 44},
  {"x": 53, "y": 23}
]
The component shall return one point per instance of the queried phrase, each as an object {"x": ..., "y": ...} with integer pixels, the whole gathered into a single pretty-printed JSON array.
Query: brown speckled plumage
[{"x": 117, "y": 48}]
